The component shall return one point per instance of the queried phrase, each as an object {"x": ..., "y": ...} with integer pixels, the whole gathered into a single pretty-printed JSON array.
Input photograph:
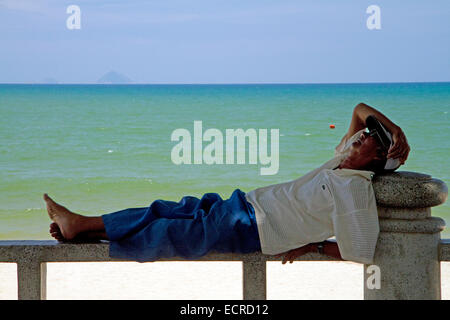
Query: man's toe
[{"x": 48, "y": 199}]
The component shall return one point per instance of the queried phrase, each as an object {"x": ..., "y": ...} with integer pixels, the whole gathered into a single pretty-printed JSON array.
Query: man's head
[
  {"x": 366, "y": 153},
  {"x": 370, "y": 151}
]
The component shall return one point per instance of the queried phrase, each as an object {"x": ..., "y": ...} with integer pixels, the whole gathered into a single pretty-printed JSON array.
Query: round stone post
[{"x": 406, "y": 264}]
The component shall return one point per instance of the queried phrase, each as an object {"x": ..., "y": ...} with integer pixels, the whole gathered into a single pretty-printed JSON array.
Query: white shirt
[{"x": 317, "y": 206}]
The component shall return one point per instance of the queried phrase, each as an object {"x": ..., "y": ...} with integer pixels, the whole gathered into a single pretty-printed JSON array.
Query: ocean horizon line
[{"x": 218, "y": 83}]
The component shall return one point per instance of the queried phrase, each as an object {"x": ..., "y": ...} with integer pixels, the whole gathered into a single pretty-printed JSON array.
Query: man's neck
[{"x": 347, "y": 164}]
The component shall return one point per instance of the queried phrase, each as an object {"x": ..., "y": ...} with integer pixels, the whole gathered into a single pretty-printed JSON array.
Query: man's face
[{"x": 363, "y": 150}]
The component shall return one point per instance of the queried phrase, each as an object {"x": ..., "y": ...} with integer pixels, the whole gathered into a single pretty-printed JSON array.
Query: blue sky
[{"x": 226, "y": 41}]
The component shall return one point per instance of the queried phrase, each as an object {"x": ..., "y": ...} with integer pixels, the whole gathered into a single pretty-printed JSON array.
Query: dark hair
[{"x": 378, "y": 162}]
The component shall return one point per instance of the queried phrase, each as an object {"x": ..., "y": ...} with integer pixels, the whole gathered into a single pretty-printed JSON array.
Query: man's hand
[
  {"x": 330, "y": 248},
  {"x": 401, "y": 148},
  {"x": 294, "y": 253}
]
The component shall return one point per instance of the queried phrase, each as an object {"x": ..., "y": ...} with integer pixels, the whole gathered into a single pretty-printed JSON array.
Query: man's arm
[
  {"x": 400, "y": 149},
  {"x": 330, "y": 248},
  {"x": 360, "y": 114}
]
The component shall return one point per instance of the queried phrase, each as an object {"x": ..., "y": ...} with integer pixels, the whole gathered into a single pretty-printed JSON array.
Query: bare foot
[
  {"x": 88, "y": 236},
  {"x": 82, "y": 237},
  {"x": 67, "y": 222}
]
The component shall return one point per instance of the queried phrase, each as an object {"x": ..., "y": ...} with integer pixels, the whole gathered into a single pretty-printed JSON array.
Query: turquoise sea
[{"x": 101, "y": 148}]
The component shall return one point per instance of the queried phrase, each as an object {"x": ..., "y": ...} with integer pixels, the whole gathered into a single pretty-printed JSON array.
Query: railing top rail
[
  {"x": 54, "y": 251},
  {"x": 444, "y": 250}
]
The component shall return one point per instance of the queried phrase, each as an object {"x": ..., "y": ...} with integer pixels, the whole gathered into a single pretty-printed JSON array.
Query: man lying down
[{"x": 287, "y": 219}]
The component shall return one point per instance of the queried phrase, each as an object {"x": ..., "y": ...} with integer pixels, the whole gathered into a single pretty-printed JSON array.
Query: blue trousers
[{"x": 188, "y": 229}]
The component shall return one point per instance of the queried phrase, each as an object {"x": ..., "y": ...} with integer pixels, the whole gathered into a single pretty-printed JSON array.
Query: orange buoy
[{"x": 332, "y": 126}]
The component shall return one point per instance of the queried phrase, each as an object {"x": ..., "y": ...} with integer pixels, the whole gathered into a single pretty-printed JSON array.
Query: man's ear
[{"x": 381, "y": 154}]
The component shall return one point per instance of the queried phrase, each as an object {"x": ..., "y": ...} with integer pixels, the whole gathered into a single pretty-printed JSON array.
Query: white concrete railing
[
  {"x": 408, "y": 253},
  {"x": 31, "y": 258}
]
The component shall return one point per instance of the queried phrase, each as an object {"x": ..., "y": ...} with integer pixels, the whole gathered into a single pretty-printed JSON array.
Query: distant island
[{"x": 113, "y": 77}]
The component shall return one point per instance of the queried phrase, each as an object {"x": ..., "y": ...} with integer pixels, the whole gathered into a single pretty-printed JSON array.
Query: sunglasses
[{"x": 374, "y": 133}]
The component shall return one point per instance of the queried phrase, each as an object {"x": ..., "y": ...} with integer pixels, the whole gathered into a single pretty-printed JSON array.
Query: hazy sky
[{"x": 226, "y": 41}]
